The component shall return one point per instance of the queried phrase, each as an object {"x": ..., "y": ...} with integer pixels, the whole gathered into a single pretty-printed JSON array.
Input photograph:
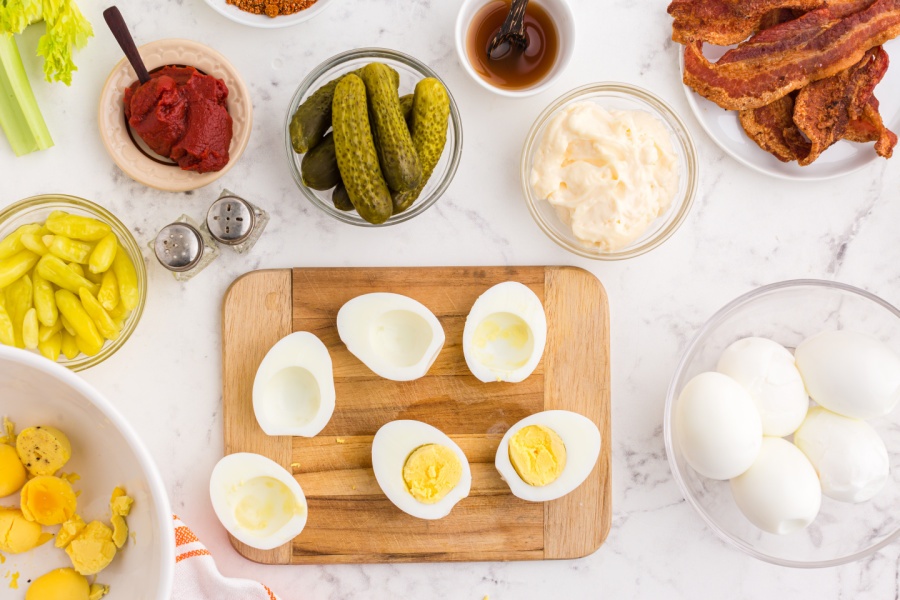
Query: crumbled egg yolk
[
  {"x": 48, "y": 500},
  {"x": 12, "y": 471},
  {"x": 14, "y": 580},
  {"x": 58, "y": 585},
  {"x": 92, "y": 549},
  {"x": 69, "y": 531},
  {"x": 430, "y": 472},
  {"x": 119, "y": 508},
  {"x": 264, "y": 504},
  {"x": 538, "y": 455}
]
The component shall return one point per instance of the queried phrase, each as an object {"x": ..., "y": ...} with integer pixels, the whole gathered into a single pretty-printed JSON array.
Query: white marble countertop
[{"x": 745, "y": 230}]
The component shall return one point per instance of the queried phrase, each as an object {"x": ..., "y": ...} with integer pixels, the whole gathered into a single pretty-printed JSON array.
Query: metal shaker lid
[
  {"x": 230, "y": 220},
  {"x": 178, "y": 247}
]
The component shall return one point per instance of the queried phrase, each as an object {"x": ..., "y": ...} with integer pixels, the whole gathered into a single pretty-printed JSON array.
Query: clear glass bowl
[
  {"x": 36, "y": 210},
  {"x": 788, "y": 313},
  {"x": 411, "y": 72},
  {"x": 620, "y": 96}
]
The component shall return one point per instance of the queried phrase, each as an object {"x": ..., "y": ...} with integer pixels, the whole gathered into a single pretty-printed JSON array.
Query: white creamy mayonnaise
[{"x": 609, "y": 173}]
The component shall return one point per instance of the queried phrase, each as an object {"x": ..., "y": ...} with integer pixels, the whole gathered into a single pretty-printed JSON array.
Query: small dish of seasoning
[
  {"x": 176, "y": 155},
  {"x": 549, "y": 28},
  {"x": 269, "y": 14}
]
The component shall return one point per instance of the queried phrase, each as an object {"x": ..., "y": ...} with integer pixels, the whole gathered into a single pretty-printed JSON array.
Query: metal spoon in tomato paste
[{"x": 116, "y": 24}]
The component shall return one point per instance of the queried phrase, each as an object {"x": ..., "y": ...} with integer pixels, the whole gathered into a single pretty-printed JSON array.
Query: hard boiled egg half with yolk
[
  {"x": 257, "y": 500},
  {"x": 293, "y": 392},
  {"x": 397, "y": 337},
  {"x": 547, "y": 455},
  {"x": 421, "y": 470},
  {"x": 505, "y": 333}
]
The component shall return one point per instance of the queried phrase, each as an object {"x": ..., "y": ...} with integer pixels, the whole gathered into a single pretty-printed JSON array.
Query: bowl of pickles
[
  {"x": 373, "y": 137},
  {"x": 72, "y": 280}
]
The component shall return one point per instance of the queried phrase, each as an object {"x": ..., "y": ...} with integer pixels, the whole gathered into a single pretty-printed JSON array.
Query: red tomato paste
[{"x": 181, "y": 114}]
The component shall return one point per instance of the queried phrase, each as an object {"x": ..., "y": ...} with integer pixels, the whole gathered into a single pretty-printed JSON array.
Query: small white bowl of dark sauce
[{"x": 549, "y": 28}]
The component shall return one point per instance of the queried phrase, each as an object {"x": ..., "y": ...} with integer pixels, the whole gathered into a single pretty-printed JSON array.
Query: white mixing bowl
[{"x": 106, "y": 452}]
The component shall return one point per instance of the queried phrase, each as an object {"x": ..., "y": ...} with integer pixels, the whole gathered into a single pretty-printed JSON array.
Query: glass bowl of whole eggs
[{"x": 799, "y": 443}]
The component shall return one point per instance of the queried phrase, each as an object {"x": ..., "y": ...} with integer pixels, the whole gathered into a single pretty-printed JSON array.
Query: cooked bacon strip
[
  {"x": 772, "y": 128},
  {"x": 869, "y": 127},
  {"x": 790, "y": 56},
  {"x": 824, "y": 108},
  {"x": 726, "y": 22}
]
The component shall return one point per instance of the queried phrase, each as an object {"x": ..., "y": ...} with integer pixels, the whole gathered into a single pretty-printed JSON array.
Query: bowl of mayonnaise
[{"x": 609, "y": 171}]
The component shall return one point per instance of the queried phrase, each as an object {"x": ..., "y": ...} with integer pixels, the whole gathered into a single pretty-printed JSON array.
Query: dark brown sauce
[{"x": 516, "y": 70}]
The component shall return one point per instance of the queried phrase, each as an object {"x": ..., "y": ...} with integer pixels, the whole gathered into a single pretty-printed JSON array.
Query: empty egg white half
[
  {"x": 393, "y": 445},
  {"x": 395, "y": 336},
  {"x": 293, "y": 392},
  {"x": 850, "y": 373},
  {"x": 780, "y": 492},
  {"x": 505, "y": 333},
  {"x": 848, "y": 454},
  {"x": 767, "y": 370},
  {"x": 257, "y": 500},
  {"x": 718, "y": 426},
  {"x": 581, "y": 439}
]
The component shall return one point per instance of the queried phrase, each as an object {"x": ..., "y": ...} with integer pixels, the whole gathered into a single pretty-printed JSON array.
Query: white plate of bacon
[{"x": 798, "y": 89}]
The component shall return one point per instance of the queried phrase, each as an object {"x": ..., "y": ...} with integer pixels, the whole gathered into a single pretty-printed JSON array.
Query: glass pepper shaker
[
  {"x": 184, "y": 248},
  {"x": 235, "y": 222}
]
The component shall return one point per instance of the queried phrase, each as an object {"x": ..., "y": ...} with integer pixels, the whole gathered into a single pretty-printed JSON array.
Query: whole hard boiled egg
[
  {"x": 293, "y": 392},
  {"x": 548, "y": 454},
  {"x": 421, "y": 470},
  {"x": 767, "y": 370},
  {"x": 850, "y": 373},
  {"x": 397, "y": 337},
  {"x": 849, "y": 456},
  {"x": 780, "y": 492},
  {"x": 718, "y": 426},
  {"x": 505, "y": 333},
  {"x": 257, "y": 500}
]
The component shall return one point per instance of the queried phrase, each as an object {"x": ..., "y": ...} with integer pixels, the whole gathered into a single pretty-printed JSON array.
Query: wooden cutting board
[{"x": 350, "y": 520}]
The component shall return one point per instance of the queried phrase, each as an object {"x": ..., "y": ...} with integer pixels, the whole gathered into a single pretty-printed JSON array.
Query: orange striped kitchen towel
[{"x": 196, "y": 576}]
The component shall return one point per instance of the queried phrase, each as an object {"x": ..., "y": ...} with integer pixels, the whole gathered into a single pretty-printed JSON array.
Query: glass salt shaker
[
  {"x": 235, "y": 222},
  {"x": 184, "y": 248}
]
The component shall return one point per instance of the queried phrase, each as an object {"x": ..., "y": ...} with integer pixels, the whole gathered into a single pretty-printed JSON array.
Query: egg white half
[
  {"x": 397, "y": 337},
  {"x": 293, "y": 392},
  {"x": 241, "y": 476},
  {"x": 582, "y": 441},
  {"x": 392, "y": 445},
  {"x": 506, "y": 307}
]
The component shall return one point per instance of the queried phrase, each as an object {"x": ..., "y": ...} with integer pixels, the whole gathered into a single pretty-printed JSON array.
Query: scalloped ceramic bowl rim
[
  {"x": 688, "y": 354},
  {"x": 33, "y": 204},
  {"x": 160, "y": 174},
  {"x": 455, "y": 127}
]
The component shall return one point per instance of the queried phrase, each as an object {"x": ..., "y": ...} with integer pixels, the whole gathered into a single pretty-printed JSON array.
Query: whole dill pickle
[
  {"x": 319, "y": 169},
  {"x": 313, "y": 117},
  {"x": 356, "y": 155}
]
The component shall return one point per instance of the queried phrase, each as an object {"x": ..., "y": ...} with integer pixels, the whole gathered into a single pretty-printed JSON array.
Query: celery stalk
[{"x": 20, "y": 116}]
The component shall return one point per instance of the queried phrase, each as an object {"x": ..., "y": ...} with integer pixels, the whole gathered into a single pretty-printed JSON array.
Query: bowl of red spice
[
  {"x": 184, "y": 128},
  {"x": 269, "y": 13}
]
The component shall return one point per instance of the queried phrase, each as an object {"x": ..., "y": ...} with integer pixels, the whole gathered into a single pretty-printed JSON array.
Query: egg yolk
[
  {"x": 48, "y": 500},
  {"x": 92, "y": 549},
  {"x": 61, "y": 584},
  {"x": 17, "y": 534},
  {"x": 43, "y": 450},
  {"x": 538, "y": 455},
  {"x": 263, "y": 505},
  {"x": 12, "y": 471},
  {"x": 119, "y": 508},
  {"x": 430, "y": 472}
]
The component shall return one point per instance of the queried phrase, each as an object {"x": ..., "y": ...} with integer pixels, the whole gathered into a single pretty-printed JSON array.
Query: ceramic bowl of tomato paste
[{"x": 153, "y": 134}]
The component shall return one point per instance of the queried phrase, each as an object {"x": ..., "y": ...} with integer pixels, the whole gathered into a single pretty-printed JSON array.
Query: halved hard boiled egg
[
  {"x": 421, "y": 470},
  {"x": 547, "y": 455},
  {"x": 505, "y": 333},
  {"x": 397, "y": 337},
  {"x": 293, "y": 393},
  {"x": 257, "y": 500}
]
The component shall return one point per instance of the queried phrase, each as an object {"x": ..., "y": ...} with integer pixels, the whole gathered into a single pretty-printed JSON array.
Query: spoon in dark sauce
[{"x": 511, "y": 34}]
